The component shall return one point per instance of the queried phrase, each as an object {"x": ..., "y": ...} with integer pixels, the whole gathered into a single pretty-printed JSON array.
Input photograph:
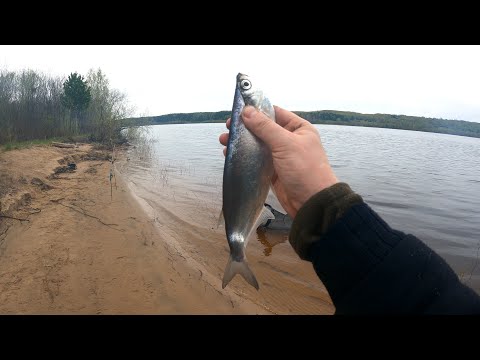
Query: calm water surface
[{"x": 420, "y": 183}]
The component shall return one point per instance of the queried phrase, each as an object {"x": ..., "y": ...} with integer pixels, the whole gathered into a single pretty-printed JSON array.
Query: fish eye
[{"x": 245, "y": 84}]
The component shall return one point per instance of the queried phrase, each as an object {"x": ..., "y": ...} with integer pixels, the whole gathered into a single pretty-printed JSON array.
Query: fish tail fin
[{"x": 238, "y": 267}]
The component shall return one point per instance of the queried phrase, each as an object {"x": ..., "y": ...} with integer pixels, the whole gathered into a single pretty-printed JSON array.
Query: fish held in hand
[{"x": 246, "y": 180}]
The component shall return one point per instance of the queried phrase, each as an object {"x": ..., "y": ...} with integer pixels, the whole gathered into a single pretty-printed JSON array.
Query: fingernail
[{"x": 249, "y": 111}]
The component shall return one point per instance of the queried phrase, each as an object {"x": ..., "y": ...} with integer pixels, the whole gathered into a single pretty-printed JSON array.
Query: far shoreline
[
  {"x": 329, "y": 117},
  {"x": 347, "y": 125}
]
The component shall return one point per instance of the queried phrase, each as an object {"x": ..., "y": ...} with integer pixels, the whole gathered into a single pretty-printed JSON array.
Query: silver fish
[{"x": 246, "y": 180}]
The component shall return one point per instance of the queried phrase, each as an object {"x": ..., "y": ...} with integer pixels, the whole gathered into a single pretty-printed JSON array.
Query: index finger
[{"x": 287, "y": 119}]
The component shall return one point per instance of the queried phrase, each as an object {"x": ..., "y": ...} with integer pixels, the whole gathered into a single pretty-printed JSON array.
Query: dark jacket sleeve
[{"x": 370, "y": 268}]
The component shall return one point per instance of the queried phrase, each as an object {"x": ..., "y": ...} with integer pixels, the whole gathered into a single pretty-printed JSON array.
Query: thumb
[{"x": 263, "y": 127}]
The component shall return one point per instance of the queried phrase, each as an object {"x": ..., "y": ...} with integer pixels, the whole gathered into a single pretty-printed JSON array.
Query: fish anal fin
[{"x": 221, "y": 219}]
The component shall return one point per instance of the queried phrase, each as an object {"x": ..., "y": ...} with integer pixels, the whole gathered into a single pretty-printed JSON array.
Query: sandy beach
[{"x": 76, "y": 248}]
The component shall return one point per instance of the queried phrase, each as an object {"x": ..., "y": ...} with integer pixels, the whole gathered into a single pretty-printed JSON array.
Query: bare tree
[{"x": 31, "y": 107}]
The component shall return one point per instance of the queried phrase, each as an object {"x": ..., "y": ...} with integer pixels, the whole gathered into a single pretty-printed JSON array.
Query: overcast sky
[{"x": 432, "y": 81}]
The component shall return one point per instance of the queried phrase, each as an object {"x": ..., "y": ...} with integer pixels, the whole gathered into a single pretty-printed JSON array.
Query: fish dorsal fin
[{"x": 264, "y": 216}]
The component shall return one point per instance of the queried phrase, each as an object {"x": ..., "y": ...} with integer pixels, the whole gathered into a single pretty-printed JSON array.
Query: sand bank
[{"x": 84, "y": 250}]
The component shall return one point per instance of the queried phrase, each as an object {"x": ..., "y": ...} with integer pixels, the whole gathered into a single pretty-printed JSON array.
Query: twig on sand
[
  {"x": 112, "y": 173},
  {"x": 4, "y": 232},
  {"x": 14, "y": 218},
  {"x": 63, "y": 145},
  {"x": 83, "y": 212}
]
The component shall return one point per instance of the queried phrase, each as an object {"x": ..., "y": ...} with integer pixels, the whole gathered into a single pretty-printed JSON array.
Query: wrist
[
  {"x": 314, "y": 187},
  {"x": 318, "y": 214}
]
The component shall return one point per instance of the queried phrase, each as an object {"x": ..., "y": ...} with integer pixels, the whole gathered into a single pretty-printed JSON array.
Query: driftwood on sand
[{"x": 63, "y": 145}]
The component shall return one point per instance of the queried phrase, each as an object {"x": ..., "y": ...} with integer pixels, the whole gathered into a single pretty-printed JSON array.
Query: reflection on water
[
  {"x": 420, "y": 183},
  {"x": 269, "y": 238}
]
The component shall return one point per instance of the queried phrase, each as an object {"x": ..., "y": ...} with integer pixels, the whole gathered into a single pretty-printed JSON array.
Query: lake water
[{"x": 421, "y": 183}]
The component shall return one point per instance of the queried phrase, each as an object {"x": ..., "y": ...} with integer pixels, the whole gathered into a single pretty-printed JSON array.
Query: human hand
[{"x": 300, "y": 162}]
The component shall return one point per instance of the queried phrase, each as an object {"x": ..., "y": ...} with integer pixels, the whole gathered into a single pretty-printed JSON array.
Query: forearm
[{"x": 367, "y": 267}]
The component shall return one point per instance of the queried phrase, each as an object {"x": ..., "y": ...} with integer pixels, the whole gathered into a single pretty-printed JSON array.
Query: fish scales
[{"x": 246, "y": 179}]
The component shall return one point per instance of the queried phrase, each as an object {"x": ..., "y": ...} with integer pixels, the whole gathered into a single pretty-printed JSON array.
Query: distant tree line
[
  {"x": 416, "y": 123},
  {"x": 404, "y": 122},
  {"x": 178, "y": 118},
  {"x": 34, "y": 105}
]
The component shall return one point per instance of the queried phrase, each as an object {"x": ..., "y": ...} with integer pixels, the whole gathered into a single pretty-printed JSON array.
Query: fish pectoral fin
[
  {"x": 265, "y": 215},
  {"x": 235, "y": 267},
  {"x": 221, "y": 219}
]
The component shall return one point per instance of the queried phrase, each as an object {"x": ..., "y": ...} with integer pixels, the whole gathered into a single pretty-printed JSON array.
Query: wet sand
[{"x": 84, "y": 252}]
